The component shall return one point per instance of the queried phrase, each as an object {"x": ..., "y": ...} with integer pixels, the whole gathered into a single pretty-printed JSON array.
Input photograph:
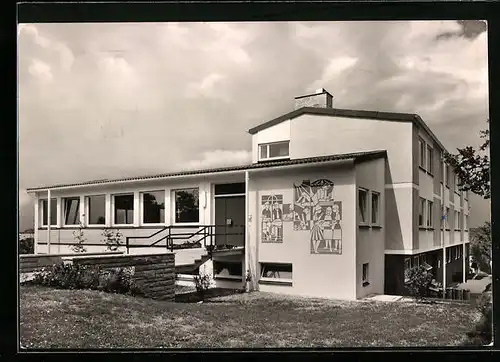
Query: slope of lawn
[{"x": 51, "y": 318}]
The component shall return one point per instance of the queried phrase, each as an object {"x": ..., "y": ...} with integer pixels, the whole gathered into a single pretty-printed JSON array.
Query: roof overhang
[{"x": 256, "y": 167}]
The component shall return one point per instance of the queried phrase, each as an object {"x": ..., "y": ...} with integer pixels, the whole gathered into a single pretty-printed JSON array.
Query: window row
[
  {"x": 426, "y": 156},
  {"x": 152, "y": 204},
  {"x": 368, "y": 214},
  {"x": 454, "y": 253},
  {"x": 459, "y": 220}
]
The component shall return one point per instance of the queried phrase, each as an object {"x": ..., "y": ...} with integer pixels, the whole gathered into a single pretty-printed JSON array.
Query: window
[
  {"x": 366, "y": 274},
  {"x": 276, "y": 271},
  {"x": 375, "y": 208},
  {"x": 430, "y": 159},
  {"x": 439, "y": 263},
  {"x": 275, "y": 150},
  {"x": 421, "y": 160},
  {"x": 416, "y": 261},
  {"x": 71, "y": 210},
  {"x": 466, "y": 222},
  {"x": 421, "y": 212},
  {"x": 153, "y": 207},
  {"x": 453, "y": 252},
  {"x": 448, "y": 255},
  {"x": 187, "y": 206},
  {"x": 362, "y": 205},
  {"x": 407, "y": 269},
  {"x": 447, "y": 175},
  {"x": 124, "y": 209},
  {"x": 457, "y": 220},
  {"x": 53, "y": 211},
  {"x": 230, "y": 189},
  {"x": 96, "y": 209},
  {"x": 447, "y": 218},
  {"x": 429, "y": 214},
  {"x": 232, "y": 270}
]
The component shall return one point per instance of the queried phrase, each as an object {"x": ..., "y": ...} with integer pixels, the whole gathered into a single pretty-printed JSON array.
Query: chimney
[{"x": 321, "y": 98}]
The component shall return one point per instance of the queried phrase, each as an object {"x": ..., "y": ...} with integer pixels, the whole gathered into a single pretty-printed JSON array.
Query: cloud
[
  {"x": 220, "y": 158},
  {"x": 41, "y": 70},
  {"x": 112, "y": 100}
]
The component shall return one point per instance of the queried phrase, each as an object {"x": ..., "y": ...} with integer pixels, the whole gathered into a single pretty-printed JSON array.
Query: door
[{"x": 230, "y": 220}]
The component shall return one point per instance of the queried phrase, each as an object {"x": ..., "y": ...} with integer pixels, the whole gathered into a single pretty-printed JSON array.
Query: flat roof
[
  {"x": 350, "y": 113},
  {"x": 356, "y": 156}
]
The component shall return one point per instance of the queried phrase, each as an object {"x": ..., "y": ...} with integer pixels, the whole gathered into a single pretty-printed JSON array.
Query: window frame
[
  {"x": 272, "y": 280},
  {"x": 429, "y": 222},
  {"x": 113, "y": 209},
  {"x": 142, "y": 204},
  {"x": 456, "y": 220},
  {"x": 447, "y": 218},
  {"x": 429, "y": 159},
  {"x": 63, "y": 211},
  {"x": 365, "y": 274},
  {"x": 232, "y": 277},
  {"x": 42, "y": 213},
  {"x": 377, "y": 219},
  {"x": 174, "y": 205},
  {"x": 87, "y": 211},
  {"x": 422, "y": 153},
  {"x": 268, "y": 150},
  {"x": 422, "y": 205},
  {"x": 364, "y": 222}
]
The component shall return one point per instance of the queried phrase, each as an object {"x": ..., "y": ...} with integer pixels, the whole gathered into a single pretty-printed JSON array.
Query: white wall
[{"x": 276, "y": 133}]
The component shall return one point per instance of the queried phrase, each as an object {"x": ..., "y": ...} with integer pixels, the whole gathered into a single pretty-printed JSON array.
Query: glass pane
[
  {"x": 263, "y": 151},
  {"x": 278, "y": 149},
  {"x": 224, "y": 269},
  {"x": 429, "y": 159},
  {"x": 124, "y": 209},
  {"x": 362, "y": 204},
  {"x": 53, "y": 211},
  {"x": 71, "y": 211},
  {"x": 97, "y": 206},
  {"x": 187, "y": 206},
  {"x": 374, "y": 208},
  {"x": 279, "y": 271},
  {"x": 153, "y": 207},
  {"x": 225, "y": 189}
]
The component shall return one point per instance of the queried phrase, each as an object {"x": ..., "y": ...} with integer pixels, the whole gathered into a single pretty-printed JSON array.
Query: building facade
[{"x": 336, "y": 203}]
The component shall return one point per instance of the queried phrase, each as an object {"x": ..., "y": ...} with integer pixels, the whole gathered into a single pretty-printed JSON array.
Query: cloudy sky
[{"x": 115, "y": 100}]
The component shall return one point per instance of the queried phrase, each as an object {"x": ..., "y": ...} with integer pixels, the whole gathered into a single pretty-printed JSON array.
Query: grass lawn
[{"x": 53, "y": 318}]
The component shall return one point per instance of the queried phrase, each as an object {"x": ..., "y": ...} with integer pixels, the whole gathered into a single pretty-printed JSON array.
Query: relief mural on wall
[
  {"x": 315, "y": 210},
  {"x": 272, "y": 218}
]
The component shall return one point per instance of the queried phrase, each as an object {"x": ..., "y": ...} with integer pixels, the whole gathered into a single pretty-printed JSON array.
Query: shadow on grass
[{"x": 195, "y": 297}]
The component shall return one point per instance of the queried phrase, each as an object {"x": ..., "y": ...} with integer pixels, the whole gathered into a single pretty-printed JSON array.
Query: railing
[{"x": 207, "y": 234}]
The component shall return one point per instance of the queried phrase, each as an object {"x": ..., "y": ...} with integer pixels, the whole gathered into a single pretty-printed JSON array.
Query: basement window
[
  {"x": 276, "y": 150},
  {"x": 228, "y": 270},
  {"x": 276, "y": 273}
]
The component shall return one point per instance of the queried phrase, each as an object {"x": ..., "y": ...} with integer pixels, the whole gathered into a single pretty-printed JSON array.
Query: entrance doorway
[{"x": 230, "y": 214}]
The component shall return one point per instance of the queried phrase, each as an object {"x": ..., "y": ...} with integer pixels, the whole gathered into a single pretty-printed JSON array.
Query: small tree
[
  {"x": 80, "y": 239},
  {"x": 112, "y": 239},
  {"x": 202, "y": 283},
  {"x": 419, "y": 282},
  {"x": 480, "y": 238}
]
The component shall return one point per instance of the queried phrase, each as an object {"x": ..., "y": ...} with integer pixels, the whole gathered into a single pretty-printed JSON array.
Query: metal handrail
[{"x": 208, "y": 231}]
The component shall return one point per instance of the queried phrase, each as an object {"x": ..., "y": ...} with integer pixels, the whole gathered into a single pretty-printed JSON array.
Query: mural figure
[
  {"x": 272, "y": 219},
  {"x": 288, "y": 214},
  {"x": 316, "y": 210}
]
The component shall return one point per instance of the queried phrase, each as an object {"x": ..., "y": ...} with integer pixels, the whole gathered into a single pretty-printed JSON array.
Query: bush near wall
[
  {"x": 27, "y": 246},
  {"x": 69, "y": 276}
]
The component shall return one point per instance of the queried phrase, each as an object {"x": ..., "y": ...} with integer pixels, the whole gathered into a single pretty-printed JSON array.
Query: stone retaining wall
[
  {"x": 154, "y": 274},
  {"x": 29, "y": 263}
]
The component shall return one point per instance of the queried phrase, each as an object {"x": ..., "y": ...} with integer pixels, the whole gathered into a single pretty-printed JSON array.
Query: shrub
[
  {"x": 112, "y": 239},
  {"x": 69, "y": 276},
  {"x": 419, "y": 282},
  {"x": 80, "y": 239},
  {"x": 202, "y": 283},
  {"x": 27, "y": 246},
  {"x": 483, "y": 330}
]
